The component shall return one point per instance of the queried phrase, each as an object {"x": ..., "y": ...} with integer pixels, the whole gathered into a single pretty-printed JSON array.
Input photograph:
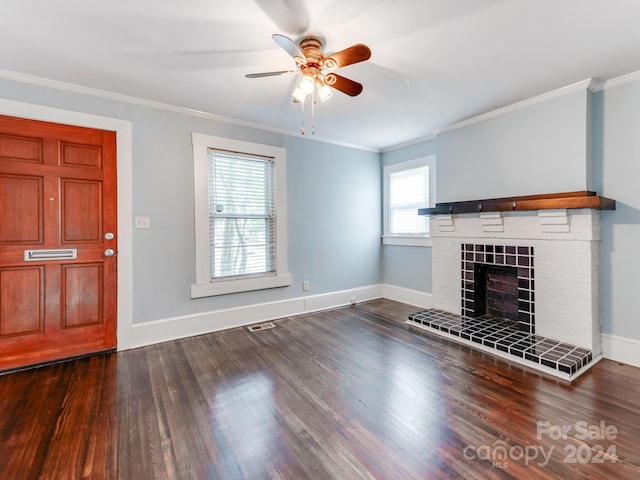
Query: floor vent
[{"x": 262, "y": 326}]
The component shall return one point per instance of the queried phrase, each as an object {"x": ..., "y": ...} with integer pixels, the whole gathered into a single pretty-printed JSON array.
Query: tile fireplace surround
[{"x": 556, "y": 253}]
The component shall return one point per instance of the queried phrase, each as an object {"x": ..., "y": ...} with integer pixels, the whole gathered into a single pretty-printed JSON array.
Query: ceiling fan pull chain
[
  {"x": 313, "y": 111},
  {"x": 302, "y": 118}
]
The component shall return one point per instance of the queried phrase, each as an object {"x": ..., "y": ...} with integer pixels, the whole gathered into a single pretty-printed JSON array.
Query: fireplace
[
  {"x": 491, "y": 292},
  {"x": 498, "y": 280}
]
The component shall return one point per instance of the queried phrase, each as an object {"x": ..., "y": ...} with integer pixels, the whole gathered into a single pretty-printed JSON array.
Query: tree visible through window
[{"x": 241, "y": 215}]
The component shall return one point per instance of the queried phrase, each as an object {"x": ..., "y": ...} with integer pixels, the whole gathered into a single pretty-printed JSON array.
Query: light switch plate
[{"x": 143, "y": 222}]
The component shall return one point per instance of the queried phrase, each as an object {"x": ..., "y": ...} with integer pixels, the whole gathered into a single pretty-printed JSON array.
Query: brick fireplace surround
[{"x": 556, "y": 255}]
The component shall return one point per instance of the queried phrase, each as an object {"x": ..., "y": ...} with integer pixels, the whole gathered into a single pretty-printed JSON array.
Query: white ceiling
[{"x": 433, "y": 63}]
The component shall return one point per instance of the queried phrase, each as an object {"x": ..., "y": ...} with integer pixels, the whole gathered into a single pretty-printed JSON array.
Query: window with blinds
[
  {"x": 408, "y": 191},
  {"x": 240, "y": 213},
  {"x": 242, "y": 218},
  {"x": 407, "y": 187}
]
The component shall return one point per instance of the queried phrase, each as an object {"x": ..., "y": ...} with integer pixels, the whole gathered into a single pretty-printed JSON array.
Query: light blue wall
[
  {"x": 542, "y": 148},
  {"x": 617, "y": 175},
  {"x": 333, "y": 196},
  {"x": 408, "y": 267},
  {"x": 334, "y": 209}
]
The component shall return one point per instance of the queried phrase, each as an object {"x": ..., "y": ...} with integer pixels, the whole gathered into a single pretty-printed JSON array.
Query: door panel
[
  {"x": 84, "y": 155},
  {"x": 21, "y": 198},
  {"x": 82, "y": 295},
  {"x": 81, "y": 211},
  {"x": 21, "y": 301},
  {"x": 57, "y": 191},
  {"x": 20, "y": 149}
]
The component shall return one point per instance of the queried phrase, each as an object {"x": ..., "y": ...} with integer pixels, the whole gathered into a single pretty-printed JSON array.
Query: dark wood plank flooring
[{"x": 344, "y": 394}]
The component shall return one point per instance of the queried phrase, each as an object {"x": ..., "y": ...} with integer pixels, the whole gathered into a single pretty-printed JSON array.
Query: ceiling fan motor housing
[{"x": 311, "y": 47}]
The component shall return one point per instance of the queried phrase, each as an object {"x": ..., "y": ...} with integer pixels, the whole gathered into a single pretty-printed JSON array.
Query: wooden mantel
[{"x": 549, "y": 201}]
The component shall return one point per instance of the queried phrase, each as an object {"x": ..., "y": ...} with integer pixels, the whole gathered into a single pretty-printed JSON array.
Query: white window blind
[
  {"x": 408, "y": 191},
  {"x": 242, "y": 220}
]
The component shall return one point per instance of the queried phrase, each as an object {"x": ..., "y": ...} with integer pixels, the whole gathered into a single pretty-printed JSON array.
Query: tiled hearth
[{"x": 504, "y": 337}]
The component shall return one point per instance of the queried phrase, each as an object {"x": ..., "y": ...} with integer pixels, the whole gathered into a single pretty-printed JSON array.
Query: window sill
[
  {"x": 237, "y": 286},
  {"x": 406, "y": 241}
]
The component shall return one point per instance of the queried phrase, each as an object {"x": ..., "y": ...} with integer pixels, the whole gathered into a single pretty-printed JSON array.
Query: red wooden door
[{"x": 57, "y": 220}]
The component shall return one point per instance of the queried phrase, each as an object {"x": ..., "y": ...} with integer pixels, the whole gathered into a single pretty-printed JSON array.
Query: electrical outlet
[{"x": 305, "y": 286}]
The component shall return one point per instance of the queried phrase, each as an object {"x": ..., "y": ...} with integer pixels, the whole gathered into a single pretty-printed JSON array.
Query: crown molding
[
  {"x": 591, "y": 84},
  {"x": 408, "y": 143},
  {"x": 94, "y": 92},
  {"x": 574, "y": 87},
  {"x": 616, "y": 82}
]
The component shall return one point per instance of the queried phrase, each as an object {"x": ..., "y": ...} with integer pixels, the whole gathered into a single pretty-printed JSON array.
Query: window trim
[
  {"x": 406, "y": 239},
  {"x": 203, "y": 286}
]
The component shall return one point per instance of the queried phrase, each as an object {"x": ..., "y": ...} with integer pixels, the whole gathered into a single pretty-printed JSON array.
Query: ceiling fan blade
[
  {"x": 289, "y": 46},
  {"x": 348, "y": 56},
  {"x": 343, "y": 84},
  {"x": 270, "y": 74}
]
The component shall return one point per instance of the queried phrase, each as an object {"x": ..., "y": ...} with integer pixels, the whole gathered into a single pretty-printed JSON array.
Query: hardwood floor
[{"x": 344, "y": 394}]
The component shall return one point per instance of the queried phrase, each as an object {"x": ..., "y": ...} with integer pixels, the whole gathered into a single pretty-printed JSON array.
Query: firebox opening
[
  {"x": 496, "y": 291},
  {"x": 498, "y": 281}
]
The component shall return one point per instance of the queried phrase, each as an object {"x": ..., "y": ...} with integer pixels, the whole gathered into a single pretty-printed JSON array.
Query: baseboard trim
[
  {"x": 406, "y": 295},
  {"x": 174, "y": 328},
  {"x": 621, "y": 349}
]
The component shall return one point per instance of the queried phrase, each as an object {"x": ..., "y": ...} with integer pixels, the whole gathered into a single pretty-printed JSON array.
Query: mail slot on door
[{"x": 57, "y": 254}]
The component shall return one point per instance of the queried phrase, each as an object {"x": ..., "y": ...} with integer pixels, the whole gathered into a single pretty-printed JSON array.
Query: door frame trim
[{"x": 125, "y": 194}]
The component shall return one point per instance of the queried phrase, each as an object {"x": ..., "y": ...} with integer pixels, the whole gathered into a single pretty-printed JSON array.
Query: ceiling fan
[{"x": 317, "y": 69}]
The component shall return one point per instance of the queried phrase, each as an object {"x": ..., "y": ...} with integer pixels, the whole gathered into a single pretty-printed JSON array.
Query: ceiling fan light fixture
[
  {"x": 298, "y": 95},
  {"x": 324, "y": 92},
  {"x": 307, "y": 85}
]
